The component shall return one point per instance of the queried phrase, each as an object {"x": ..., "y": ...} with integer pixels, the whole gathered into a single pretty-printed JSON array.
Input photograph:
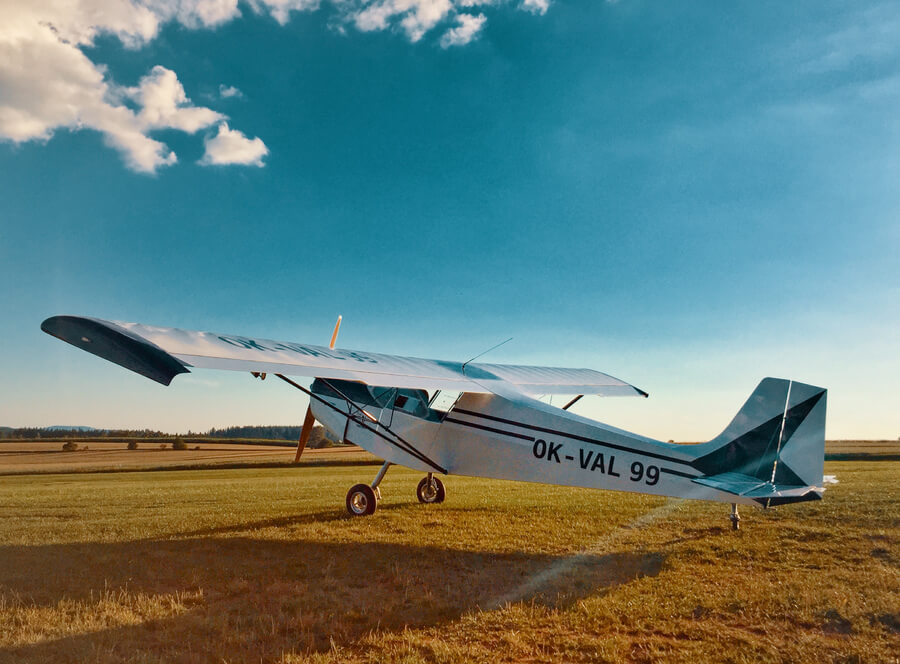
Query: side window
[
  {"x": 381, "y": 396},
  {"x": 412, "y": 402}
]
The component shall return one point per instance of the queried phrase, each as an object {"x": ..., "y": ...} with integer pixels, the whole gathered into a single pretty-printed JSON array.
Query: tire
[
  {"x": 361, "y": 500},
  {"x": 432, "y": 492}
]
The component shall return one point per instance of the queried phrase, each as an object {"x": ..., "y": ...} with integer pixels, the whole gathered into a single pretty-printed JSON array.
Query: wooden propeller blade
[
  {"x": 310, "y": 421},
  {"x": 337, "y": 326},
  {"x": 304, "y": 433}
]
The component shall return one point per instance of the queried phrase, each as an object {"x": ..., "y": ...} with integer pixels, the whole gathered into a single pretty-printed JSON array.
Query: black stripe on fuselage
[
  {"x": 592, "y": 441},
  {"x": 491, "y": 429},
  {"x": 531, "y": 439},
  {"x": 678, "y": 472}
]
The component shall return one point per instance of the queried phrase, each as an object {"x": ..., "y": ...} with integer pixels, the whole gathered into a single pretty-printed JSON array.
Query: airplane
[{"x": 487, "y": 420}]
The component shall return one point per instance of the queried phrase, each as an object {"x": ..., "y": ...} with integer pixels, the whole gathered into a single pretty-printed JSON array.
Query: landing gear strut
[
  {"x": 380, "y": 476},
  {"x": 431, "y": 490},
  {"x": 735, "y": 517}
]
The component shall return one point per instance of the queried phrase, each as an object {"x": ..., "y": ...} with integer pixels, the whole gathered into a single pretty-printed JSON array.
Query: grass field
[
  {"x": 38, "y": 456},
  {"x": 262, "y": 565},
  {"x": 17, "y": 458},
  {"x": 857, "y": 450}
]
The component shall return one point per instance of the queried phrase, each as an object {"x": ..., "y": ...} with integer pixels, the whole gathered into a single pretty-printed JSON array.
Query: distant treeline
[
  {"x": 318, "y": 437},
  {"x": 36, "y": 433},
  {"x": 270, "y": 432}
]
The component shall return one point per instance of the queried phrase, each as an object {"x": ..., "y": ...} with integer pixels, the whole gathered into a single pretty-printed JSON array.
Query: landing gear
[
  {"x": 361, "y": 500},
  {"x": 430, "y": 490},
  {"x": 735, "y": 517}
]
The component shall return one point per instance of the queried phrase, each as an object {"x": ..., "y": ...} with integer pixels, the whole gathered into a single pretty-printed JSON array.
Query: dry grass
[
  {"x": 872, "y": 448},
  {"x": 261, "y": 565},
  {"x": 27, "y": 457},
  {"x": 17, "y": 458}
]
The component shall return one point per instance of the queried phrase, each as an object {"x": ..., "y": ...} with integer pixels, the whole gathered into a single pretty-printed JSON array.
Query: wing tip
[{"x": 112, "y": 343}]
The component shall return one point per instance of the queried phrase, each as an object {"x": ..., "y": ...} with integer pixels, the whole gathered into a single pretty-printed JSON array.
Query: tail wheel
[
  {"x": 430, "y": 490},
  {"x": 361, "y": 500}
]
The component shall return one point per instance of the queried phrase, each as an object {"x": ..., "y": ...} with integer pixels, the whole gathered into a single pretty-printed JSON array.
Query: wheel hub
[{"x": 359, "y": 503}]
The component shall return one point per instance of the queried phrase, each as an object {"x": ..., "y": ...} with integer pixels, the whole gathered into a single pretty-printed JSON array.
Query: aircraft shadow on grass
[{"x": 255, "y": 599}]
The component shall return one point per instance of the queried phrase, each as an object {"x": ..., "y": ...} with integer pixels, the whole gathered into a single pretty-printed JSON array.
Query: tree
[{"x": 318, "y": 439}]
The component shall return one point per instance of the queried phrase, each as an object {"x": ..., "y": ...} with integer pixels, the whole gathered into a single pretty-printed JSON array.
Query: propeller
[{"x": 309, "y": 420}]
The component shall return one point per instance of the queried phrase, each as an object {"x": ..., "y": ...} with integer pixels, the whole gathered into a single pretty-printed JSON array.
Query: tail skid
[{"x": 774, "y": 449}]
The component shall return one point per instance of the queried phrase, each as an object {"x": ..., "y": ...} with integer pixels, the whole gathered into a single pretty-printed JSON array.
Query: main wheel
[
  {"x": 430, "y": 491},
  {"x": 361, "y": 500}
]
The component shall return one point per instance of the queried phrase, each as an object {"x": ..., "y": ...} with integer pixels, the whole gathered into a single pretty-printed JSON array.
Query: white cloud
[
  {"x": 536, "y": 6},
  {"x": 193, "y": 13},
  {"x": 48, "y": 83},
  {"x": 229, "y": 91},
  {"x": 467, "y": 29},
  {"x": 423, "y": 16},
  {"x": 230, "y": 146},
  {"x": 415, "y": 17},
  {"x": 281, "y": 9},
  {"x": 164, "y": 103},
  {"x": 374, "y": 17}
]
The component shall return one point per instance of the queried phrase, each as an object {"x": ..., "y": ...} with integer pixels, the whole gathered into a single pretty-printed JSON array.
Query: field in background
[
  {"x": 850, "y": 450},
  {"x": 39, "y": 456},
  {"x": 42, "y": 457},
  {"x": 262, "y": 565}
]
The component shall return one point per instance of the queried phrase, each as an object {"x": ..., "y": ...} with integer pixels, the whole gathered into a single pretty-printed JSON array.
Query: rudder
[{"x": 774, "y": 448}]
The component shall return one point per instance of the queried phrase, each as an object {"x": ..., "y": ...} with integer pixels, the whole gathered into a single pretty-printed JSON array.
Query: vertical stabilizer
[{"x": 774, "y": 448}]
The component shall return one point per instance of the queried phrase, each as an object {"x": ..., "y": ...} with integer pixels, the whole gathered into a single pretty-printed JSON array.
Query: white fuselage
[{"x": 485, "y": 435}]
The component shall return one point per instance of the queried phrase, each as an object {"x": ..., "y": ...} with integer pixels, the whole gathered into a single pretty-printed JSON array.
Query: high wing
[{"x": 161, "y": 353}]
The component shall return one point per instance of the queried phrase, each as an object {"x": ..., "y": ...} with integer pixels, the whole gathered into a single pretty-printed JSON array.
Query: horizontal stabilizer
[
  {"x": 763, "y": 492},
  {"x": 773, "y": 452}
]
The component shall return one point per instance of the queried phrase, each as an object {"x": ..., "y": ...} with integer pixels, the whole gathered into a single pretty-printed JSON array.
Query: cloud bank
[{"x": 48, "y": 83}]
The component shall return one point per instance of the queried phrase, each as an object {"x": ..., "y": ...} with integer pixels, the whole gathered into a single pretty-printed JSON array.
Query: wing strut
[
  {"x": 572, "y": 402},
  {"x": 400, "y": 443}
]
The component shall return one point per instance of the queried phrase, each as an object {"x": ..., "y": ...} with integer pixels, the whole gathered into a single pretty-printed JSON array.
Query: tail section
[{"x": 774, "y": 449}]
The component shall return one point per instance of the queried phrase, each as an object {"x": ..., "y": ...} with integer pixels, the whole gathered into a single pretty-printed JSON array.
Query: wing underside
[{"x": 161, "y": 353}]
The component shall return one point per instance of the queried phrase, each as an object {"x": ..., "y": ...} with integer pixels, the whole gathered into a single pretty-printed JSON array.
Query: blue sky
[{"x": 689, "y": 196}]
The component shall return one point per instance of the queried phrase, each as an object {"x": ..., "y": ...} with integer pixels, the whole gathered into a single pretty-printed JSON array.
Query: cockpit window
[
  {"x": 358, "y": 393},
  {"x": 413, "y": 402}
]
